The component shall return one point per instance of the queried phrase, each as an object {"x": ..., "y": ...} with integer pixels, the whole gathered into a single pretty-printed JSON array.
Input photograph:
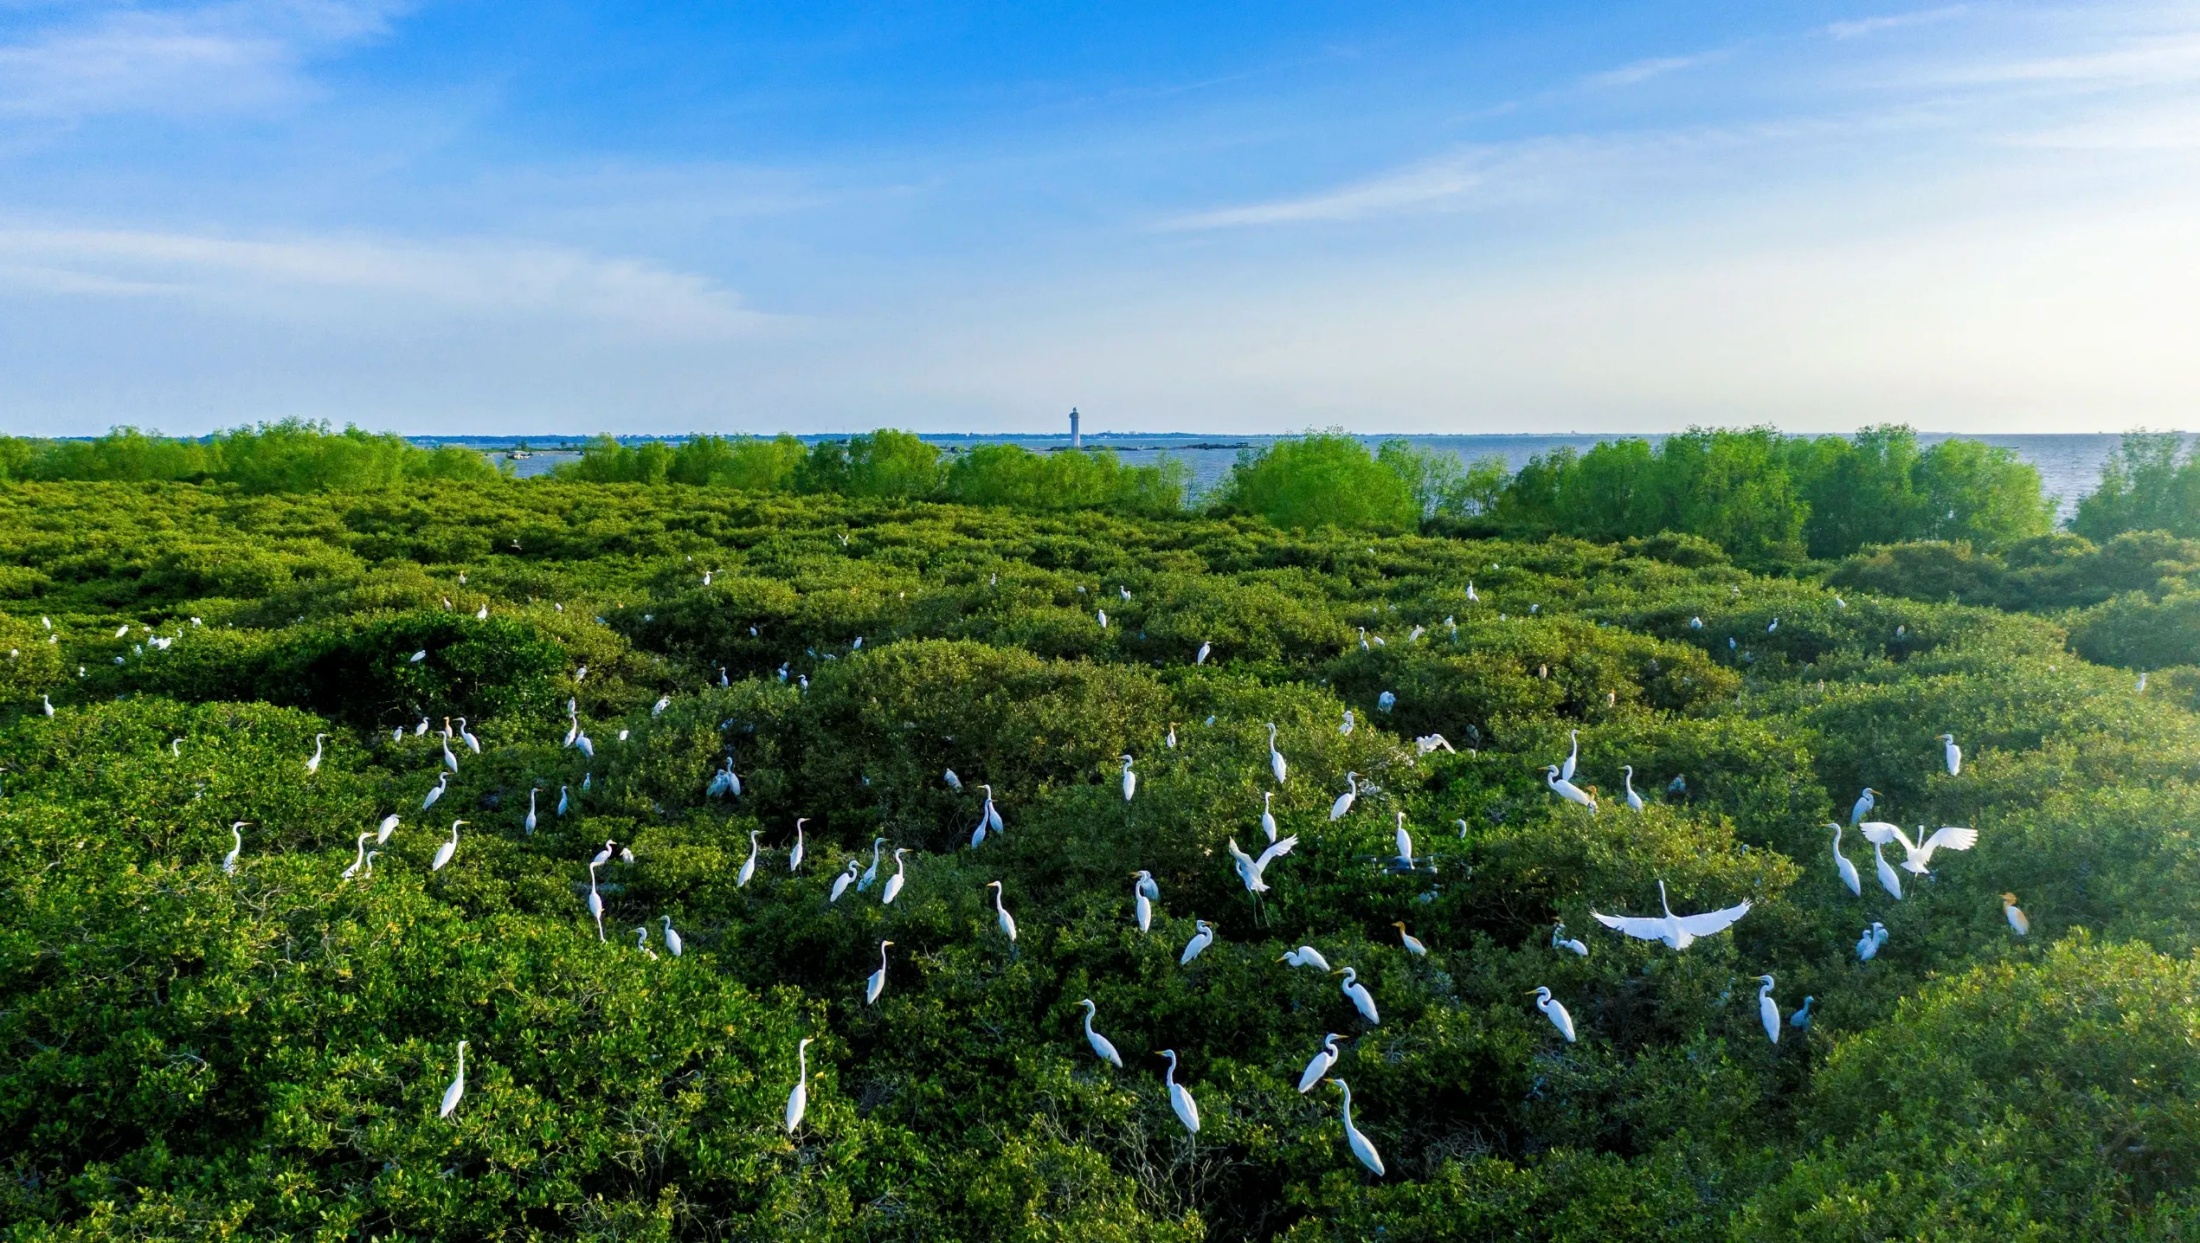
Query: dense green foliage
[
  {"x": 187, "y": 1053},
  {"x": 290, "y": 456},
  {"x": 2144, "y": 488}
]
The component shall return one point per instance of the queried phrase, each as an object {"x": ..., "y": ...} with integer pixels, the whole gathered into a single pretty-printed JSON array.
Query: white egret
[
  {"x": 845, "y": 879},
  {"x": 1411, "y": 943},
  {"x": 1768, "y": 1010},
  {"x": 457, "y": 1090},
  {"x": 47, "y": 702},
  {"x": 1001, "y": 916},
  {"x": 1864, "y": 804},
  {"x": 1678, "y": 931},
  {"x": 1345, "y": 800},
  {"x": 1917, "y": 854},
  {"x": 748, "y": 866},
  {"x": 604, "y": 856},
  {"x": 482, "y": 613},
  {"x": 529, "y": 823},
  {"x": 1573, "y": 757},
  {"x": 954, "y": 782},
  {"x": 672, "y": 937},
  {"x": 1102, "y": 1047},
  {"x": 421, "y": 730},
  {"x": 1170, "y": 740},
  {"x": 1361, "y": 1146},
  {"x": 388, "y": 826},
  {"x": 1346, "y": 728},
  {"x": 1555, "y": 1011},
  {"x": 1141, "y": 904},
  {"x": 450, "y": 761},
  {"x": 313, "y": 764},
  {"x": 1841, "y": 862},
  {"x": 229, "y": 862},
  {"x": 794, "y": 857},
  {"x": 565, "y": 799},
  {"x": 465, "y": 735},
  {"x": 2017, "y": 921},
  {"x": 1251, "y": 870},
  {"x": 1317, "y": 1066},
  {"x": 595, "y": 900},
  {"x": 1103, "y": 618},
  {"x": 372, "y": 855},
  {"x": 1426, "y": 743},
  {"x": 1385, "y": 702},
  {"x": 1889, "y": 879},
  {"x": 641, "y": 940},
  {"x": 898, "y": 879},
  {"x": 1560, "y": 941},
  {"x": 871, "y": 873},
  {"x": 1357, "y": 994},
  {"x": 875, "y": 983},
  {"x": 1568, "y": 790},
  {"x": 1952, "y": 753},
  {"x": 1198, "y": 944},
  {"x": 444, "y": 852},
  {"x": 1868, "y": 945},
  {"x": 1204, "y": 649},
  {"x": 1627, "y": 775},
  {"x": 798, "y": 1100},
  {"x": 1180, "y": 1097},
  {"x": 359, "y": 860},
  {"x": 442, "y": 782},
  {"x": 1306, "y": 956},
  {"x": 1268, "y": 814},
  {"x": 658, "y": 708},
  {"x": 1275, "y": 757},
  {"x": 588, "y": 748},
  {"x": 1801, "y": 1018},
  {"x": 1130, "y": 780},
  {"x": 1404, "y": 843}
]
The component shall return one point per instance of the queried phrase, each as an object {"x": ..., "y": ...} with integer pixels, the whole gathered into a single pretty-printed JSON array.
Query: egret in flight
[
  {"x": 229, "y": 862},
  {"x": 1627, "y": 774},
  {"x": 1412, "y": 943},
  {"x": 1306, "y": 956},
  {"x": 1268, "y": 814},
  {"x": 360, "y": 860},
  {"x": 798, "y": 1100},
  {"x": 442, "y": 783},
  {"x": 1361, "y": 1146},
  {"x": 898, "y": 879},
  {"x": 1324, "y": 1058},
  {"x": 1180, "y": 1097},
  {"x": 794, "y": 858},
  {"x": 845, "y": 879},
  {"x": 871, "y": 874},
  {"x": 1275, "y": 757},
  {"x": 388, "y": 826},
  {"x": 1198, "y": 944},
  {"x": 1130, "y": 780},
  {"x": 1345, "y": 800},
  {"x": 672, "y": 937},
  {"x": 1867, "y": 946},
  {"x": 1918, "y": 854},
  {"x": 1250, "y": 870},
  {"x": 1573, "y": 757},
  {"x": 1768, "y": 1010},
  {"x": 1678, "y": 931},
  {"x": 444, "y": 852},
  {"x": 1952, "y": 753},
  {"x": 1141, "y": 900},
  {"x": 1356, "y": 993},
  {"x": 1006, "y": 920},
  {"x": 2017, "y": 921},
  {"x": 1560, "y": 941},
  {"x": 876, "y": 982},
  {"x": 1841, "y": 862},
  {"x": 313, "y": 763},
  {"x": 1555, "y": 1011},
  {"x": 1102, "y": 1047},
  {"x": 457, "y": 1090}
]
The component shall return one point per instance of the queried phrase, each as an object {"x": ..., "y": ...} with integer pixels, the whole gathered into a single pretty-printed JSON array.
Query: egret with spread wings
[
  {"x": 1678, "y": 931},
  {"x": 1919, "y": 853}
]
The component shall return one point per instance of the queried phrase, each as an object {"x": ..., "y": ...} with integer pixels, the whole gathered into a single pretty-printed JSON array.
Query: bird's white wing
[
  {"x": 1947, "y": 837},
  {"x": 1281, "y": 847},
  {"x": 1238, "y": 853},
  {"x": 1641, "y": 927},
  {"x": 1884, "y": 834},
  {"x": 1713, "y": 921}
]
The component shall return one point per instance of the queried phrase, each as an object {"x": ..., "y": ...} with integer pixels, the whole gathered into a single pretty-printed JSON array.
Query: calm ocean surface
[{"x": 2070, "y": 466}]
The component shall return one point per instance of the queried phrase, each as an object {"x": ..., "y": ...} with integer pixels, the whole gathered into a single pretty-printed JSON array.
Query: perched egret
[
  {"x": 47, "y": 702},
  {"x": 798, "y": 1100},
  {"x": 1103, "y": 614},
  {"x": 1275, "y": 757},
  {"x": 360, "y": 859},
  {"x": 1678, "y": 931},
  {"x": 876, "y": 982},
  {"x": 1385, "y": 702},
  {"x": 845, "y": 879},
  {"x": 1361, "y": 1146},
  {"x": 1141, "y": 903},
  {"x": 2017, "y": 922},
  {"x": 1345, "y": 800},
  {"x": 387, "y": 827},
  {"x": 1768, "y": 1010},
  {"x": 588, "y": 748},
  {"x": 1404, "y": 842},
  {"x": 1130, "y": 780},
  {"x": 1889, "y": 879},
  {"x": 658, "y": 708},
  {"x": 954, "y": 782},
  {"x": 871, "y": 874},
  {"x": 748, "y": 866},
  {"x": 442, "y": 782},
  {"x": 1268, "y": 814},
  {"x": 465, "y": 735},
  {"x": 529, "y": 823},
  {"x": 1917, "y": 854},
  {"x": 1346, "y": 728},
  {"x": 1412, "y": 943},
  {"x": 1573, "y": 757},
  {"x": 1801, "y": 1018},
  {"x": 1250, "y": 870},
  {"x": 794, "y": 857},
  {"x": 1568, "y": 790},
  {"x": 672, "y": 937},
  {"x": 1952, "y": 753},
  {"x": 595, "y": 900},
  {"x": 1555, "y": 1011},
  {"x": 1841, "y": 862},
  {"x": 1560, "y": 941},
  {"x": 1356, "y": 993},
  {"x": 898, "y": 879},
  {"x": 1864, "y": 804},
  {"x": 1306, "y": 956},
  {"x": 421, "y": 730},
  {"x": 992, "y": 814},
  {"x": 1170, "y": 740},
  {"x": 229, "y": 861},
  {"x": 450, "y": 761},
  {"x": 1204, "y": 649},
  {"x": 1001, "y": 916},
  {"x": 444, "y": 852},
  {"x": 641, "y": 940},
  {"x": 565, "y": 799},
  {"x": 372, "y": 855},
  {"x": 313, "y": 763},
  {"x": 604, "y": 856},
  {"x": 1180, "y": 1097},
  {"x": 1317, "y": 1066},
  {"x": 1627, "y": 775},
  {"x": 1198, "y": 944},
  {"x": 453, "y": 1093},
  {"x": 1102, "y": 1048},
  {"x": 1868, "y": 945}
]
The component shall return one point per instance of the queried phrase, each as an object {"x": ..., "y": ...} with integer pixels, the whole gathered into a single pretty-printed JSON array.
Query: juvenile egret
[
  {"x": 1864, "y": 804},
  {"x": 1324, "y": 1058},
  {"x": 876, "y": 982},
  {"x": 1170, "y": 740},
  {"x": 1768, "y": 1010},
  {"x": 798, "y": 1100},
  {"x": 444, "y": 852},
  {"x": 1568, "y": 790},
  {"x": 229, "y": 862},
  {"x": 1919, "y": 853},
  {"x": 1180, "y": 1097},
  {"x": 1102, "y": 1048},
  {"x": 794, "y": 858},
  {"x": 1573, "y": 757},
  {"x": 1841, "y": 862},
  {"x": 672, "y": 937},
  {"x": 1204, "y": 649},
  {"x": 442, "y": 782},
  {"x": 1006, "y": 921},
  {"x": 1678, "y": 931},
  {"x": 641, "y": 940},
  {"x": 1361, "y": 1146},
  {"x": 1251, "y": 870},
  {"x": 898, "y": 879},
  {"x": 565, "y": 799},
  {"x": 388, "y": 826},
  {"x": 845, "y": 879},
  {"x": 529, "y": 823},
  {"x": 1412, "y": 943},
  {"x": 1306, "y": 956},
  {"x": 1801, "y": 1018},
  {"x": 1868, "y": 945},
  {"x": 1130, "y": 780},
  {"x": 871, "y": 873},
  {"x": 1346, "y": 728},
  {"x": 1345, "y": 800},
  {"x": 2017, "y": 922},
  {"x": 1198, "y": 944},
  {"x": 453, "y": 1093},
  {"x": 359, "y": 860},
  {"x": 1952, "y": 753},
  {"x": 313, "y": 764},
  {"x": 748, "y": 866},
  {"x": 1627, "y": 774},
  {"x": 1560, "y": 941},
  {"x": 954, "y": 782},
  {"x": 1555, "y": 1011},
  {"x": 465, "y": 735},
  {"x": 1268, "y": 814},
  {"x": 1404, "y": 842},
  {"x": 1140, "y": 902},
  {"x": 1275, "y": 757},
  {"x": 1356, "y": 993}
]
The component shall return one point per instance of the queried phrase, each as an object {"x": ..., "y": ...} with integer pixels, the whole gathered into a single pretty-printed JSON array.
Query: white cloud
[
  {"x": 1893, "y": 21},
  {"x": 1644, "y": 70}
]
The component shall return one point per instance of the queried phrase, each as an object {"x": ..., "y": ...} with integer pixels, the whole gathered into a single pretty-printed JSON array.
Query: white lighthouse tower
[{"x": 1076, "y": 441}]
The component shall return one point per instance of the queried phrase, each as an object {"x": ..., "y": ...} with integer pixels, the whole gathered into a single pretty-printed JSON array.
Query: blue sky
[{"x": 488, "y": 217}]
